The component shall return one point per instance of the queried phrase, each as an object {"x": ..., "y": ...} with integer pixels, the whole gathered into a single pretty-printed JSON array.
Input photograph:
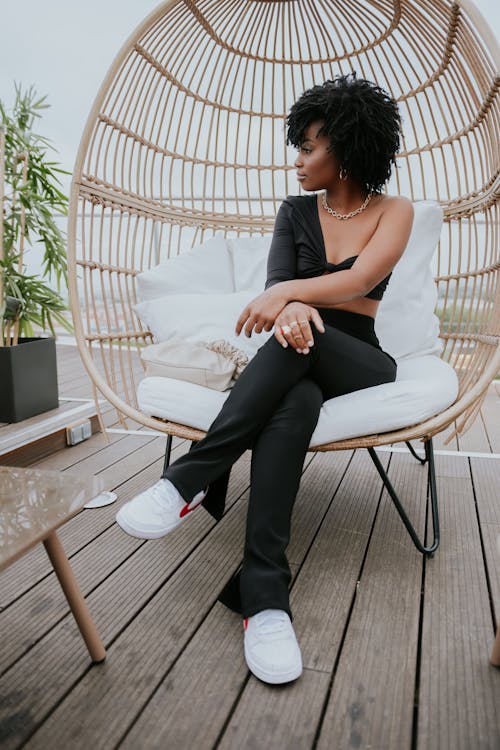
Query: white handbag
[{"x": 214, "y": 364}]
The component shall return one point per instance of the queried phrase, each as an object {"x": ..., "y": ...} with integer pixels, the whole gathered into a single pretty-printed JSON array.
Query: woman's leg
[
  {"x": 253, "y": 399},
  {"x": 338, "y": 362},
  {"x": 277, "y": 460}
]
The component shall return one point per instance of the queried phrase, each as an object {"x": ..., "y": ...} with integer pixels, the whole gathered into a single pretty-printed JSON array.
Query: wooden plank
[
  {"x": 491, "y": 540},
  {"x": 265, "y": 716},
  {"x": 490, "y": 414},
  {"x": 18, "y": 434},
  {"x": 171, "y": 582},
  {"x": 322, "y": 597},
  {"x": 185, "y": 593},
  {"x": 73, "y": 382},
  {"x": 22, "y": 623},
  {"x": 71, "y": 373},
  {"x": 69, "y": 364},
  {"x": 36, "y": 450},
  {"x": 209, "y": 630},
  {"x": 476, "y": 438},
  {"x": 371, "y": 703},
  {"x": 459, "y": 692},
  {"x": 225, "y": 677},
  {"x": 438, "y": 441},
  {"x": 80, "y": 383},
  {"x": 116, "y": 464},
  {"x": 214, "y": 659},
  {"x": 486, "y": 481}
]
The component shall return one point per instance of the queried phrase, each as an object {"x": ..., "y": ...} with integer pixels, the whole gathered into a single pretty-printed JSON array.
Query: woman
[{"x": 330, "y": 260}]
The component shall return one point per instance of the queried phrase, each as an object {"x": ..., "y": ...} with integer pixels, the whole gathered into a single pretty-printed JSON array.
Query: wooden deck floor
[{"x": 395, "y": 648}]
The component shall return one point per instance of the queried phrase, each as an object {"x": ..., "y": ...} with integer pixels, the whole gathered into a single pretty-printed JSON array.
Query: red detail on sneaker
[
  {"x": 245, "y": 623},
  {"x": 186, "y": 509}
]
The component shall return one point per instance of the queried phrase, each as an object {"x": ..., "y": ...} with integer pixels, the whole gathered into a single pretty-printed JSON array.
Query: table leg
[{"x": 74, "y": 596}]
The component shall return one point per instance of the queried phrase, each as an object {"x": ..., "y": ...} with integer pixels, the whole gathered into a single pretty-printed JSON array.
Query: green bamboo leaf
[{"x": 41, "y": 198}]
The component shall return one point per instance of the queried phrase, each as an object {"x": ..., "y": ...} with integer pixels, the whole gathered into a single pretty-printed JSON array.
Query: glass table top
[{"x": 35, "y": 502}]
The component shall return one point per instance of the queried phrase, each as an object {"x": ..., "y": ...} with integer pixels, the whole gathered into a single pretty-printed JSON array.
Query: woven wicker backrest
[{"x": 187, "y": 138}]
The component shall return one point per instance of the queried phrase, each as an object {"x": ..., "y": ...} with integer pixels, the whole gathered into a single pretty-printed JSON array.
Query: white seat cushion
[{"x": 424, "y": 387}]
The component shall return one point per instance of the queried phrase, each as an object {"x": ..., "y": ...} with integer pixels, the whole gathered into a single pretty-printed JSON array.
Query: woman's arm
[
  {"x": 375, "y": 262},
  {"x": 261, "y": 312},
  {"x": 282, "y": 257}
]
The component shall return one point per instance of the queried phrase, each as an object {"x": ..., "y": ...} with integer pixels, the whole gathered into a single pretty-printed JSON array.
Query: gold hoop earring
[{"x": 343, "y": 174}]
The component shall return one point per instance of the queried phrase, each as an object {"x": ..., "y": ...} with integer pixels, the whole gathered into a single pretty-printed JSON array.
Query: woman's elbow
[{"x": 361, "y": 285}]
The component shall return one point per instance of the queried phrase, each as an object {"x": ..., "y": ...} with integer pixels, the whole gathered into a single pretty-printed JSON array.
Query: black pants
[{"x": 273, "y": 409}]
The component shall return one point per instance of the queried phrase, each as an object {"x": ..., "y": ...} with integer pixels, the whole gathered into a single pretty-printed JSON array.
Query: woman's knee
[
  {"x": 302, "y": 404},
  {"x": 272, "y": 345}
]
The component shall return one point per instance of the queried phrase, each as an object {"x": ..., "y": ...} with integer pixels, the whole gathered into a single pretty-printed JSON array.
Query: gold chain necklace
[{"x": 345, "y": 216}]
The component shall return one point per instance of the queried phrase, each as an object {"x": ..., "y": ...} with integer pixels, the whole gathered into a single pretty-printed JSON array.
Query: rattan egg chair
[{"x": 186, "y": 138}]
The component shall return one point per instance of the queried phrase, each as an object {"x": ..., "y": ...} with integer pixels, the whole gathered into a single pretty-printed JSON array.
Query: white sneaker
[
  {"x": 272, "y": 652},
  {"x": 156, "y": 511}
]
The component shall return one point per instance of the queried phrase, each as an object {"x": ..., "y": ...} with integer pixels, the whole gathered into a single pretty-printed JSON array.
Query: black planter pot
[{"x": 28, "y": 379}]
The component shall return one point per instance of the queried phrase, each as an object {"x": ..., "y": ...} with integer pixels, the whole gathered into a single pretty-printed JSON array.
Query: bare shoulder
[{"x": 397, "y": 204}]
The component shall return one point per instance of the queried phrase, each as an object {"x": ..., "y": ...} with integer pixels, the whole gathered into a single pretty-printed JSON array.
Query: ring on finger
[
  {"x": 304, "y": 322},
  {"x": 293, "y": 323},
  {"x": 286, "y": 329}
]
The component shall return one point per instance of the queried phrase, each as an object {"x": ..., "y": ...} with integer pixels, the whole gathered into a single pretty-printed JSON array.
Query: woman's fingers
[
  {"x": 306, "y": 332},
  {"x": 279, "y": 336},
  {"x": 241, "y": 321},
  {"x": 298, "y": 333},
  {"x": 317, "y": 320},
  {"x": 247, "y": 322},
  {"x": 289, "y": 333}
]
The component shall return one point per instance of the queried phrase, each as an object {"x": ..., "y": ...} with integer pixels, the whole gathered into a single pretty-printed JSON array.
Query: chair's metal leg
[
  {"x": 412, "y": 451},
  {"x": 168, "y": 451},
  {"x": 429, "y": 454},
  {"x": 429, "y": 457}
]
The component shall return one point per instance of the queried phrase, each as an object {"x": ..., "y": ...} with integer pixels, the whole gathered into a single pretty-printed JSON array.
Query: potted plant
[{"x": 29, "y": 198}]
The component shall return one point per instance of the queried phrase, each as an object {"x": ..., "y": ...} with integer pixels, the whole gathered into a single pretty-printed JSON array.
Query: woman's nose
[{"x": 298, "y": 162}]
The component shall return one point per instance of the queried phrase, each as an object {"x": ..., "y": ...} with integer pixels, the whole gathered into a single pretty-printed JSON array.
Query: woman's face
[{"x": 317, "y": 168}]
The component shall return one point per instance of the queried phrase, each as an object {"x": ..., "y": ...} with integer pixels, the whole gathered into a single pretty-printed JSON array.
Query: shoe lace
[{"x": 272, "y": 622}]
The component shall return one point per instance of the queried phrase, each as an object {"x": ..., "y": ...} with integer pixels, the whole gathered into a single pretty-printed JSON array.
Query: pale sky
[{"x": 64, "y": 48}]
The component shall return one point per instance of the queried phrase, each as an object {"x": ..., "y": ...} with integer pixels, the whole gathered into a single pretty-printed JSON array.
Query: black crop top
[{"x": 297, "y": 249}]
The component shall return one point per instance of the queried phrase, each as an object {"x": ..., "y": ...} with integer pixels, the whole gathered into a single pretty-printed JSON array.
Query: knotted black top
[{"x": 298, "y": 250}]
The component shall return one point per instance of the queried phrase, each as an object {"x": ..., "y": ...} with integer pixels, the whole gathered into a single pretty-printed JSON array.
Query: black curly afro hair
[{"x": 362, "y": 122}]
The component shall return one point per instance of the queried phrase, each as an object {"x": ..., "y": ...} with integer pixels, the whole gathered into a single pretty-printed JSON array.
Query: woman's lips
[{"x": 301, "y": 176}]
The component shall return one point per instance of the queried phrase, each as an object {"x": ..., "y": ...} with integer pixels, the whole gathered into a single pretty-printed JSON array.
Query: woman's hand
[
  {"x": 292, "y": 326},
  {"x": 262, "y": 311}
]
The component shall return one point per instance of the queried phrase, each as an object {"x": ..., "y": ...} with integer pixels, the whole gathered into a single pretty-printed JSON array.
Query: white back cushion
[
  {"x": 204, "y": 269},
  {"x": 200, "y": 317},
  {"x": 405, "y": 324},
  {"x": 249, "y": 256},
  {"x": 201, "y": 293}
]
